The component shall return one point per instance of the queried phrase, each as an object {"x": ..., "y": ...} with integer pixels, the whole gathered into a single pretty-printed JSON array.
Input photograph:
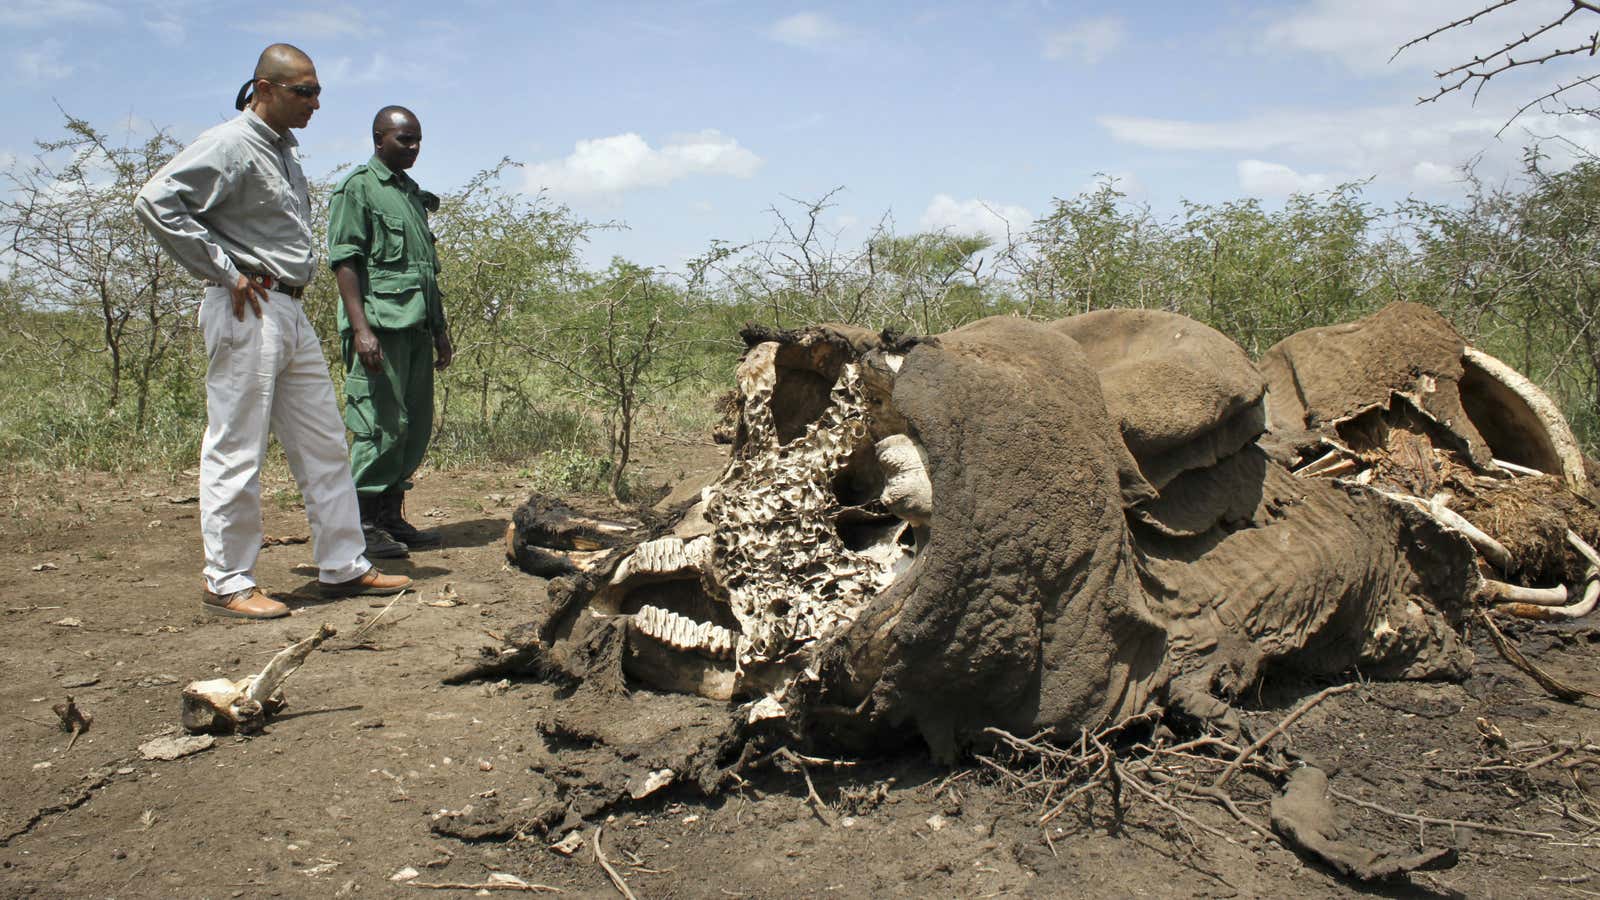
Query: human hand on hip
[{"x": 246, "y": 291}]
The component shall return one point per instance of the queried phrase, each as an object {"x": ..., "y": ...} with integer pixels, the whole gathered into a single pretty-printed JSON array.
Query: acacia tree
[
  {"x": 1563, "y": 33},
  {"x": 1093, "y": 251},
  {"x": 805, "y": 271},
  {"x": 615, "y": 346},
  {"x": 505, "y": 260},
  {"x": 75, "y": 240}
]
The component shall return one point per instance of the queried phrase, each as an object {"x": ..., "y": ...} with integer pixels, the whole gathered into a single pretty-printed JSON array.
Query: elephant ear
[
  {"x": 1023, "y": 609},
  {"x": 1183, "y": 395},
  {"x": 1189, "y": 405},
  {"x": 1321, "y": 381}
]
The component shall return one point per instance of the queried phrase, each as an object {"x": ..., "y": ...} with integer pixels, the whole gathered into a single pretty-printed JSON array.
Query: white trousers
[{"x": 261, "y": 374}]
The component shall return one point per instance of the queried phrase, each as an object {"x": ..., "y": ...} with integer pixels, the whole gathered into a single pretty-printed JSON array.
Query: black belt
[{"x": 270, "y": 283}]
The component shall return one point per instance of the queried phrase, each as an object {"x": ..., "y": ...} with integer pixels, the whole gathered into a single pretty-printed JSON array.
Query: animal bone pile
[{"x": 1046, "y": 526}]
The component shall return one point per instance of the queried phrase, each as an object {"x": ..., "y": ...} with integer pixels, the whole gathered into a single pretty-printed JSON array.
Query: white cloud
[
  {"x": 168, "y": 29},
  {"x": 624, "y": 162},
  {"x": 946, "y": 213},
  {"x": 35, "y": 13},
  {"x": 1427, "y": 172},
  {"x": 1266, "y": 179},
  {"x": 807, "y": 29},
  {"x": 320, "y": 23},
  {"x": 1087, "y": 42},
  {"x": 43, "y": 62},
  {"x": 342, "y": 70},
  {"x": 1414, "y": 147}
]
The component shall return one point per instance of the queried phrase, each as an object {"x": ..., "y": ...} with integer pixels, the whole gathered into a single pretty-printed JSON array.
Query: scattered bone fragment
[
  {"x": 570, "y": 844},
  {"x": 222, "y": 705},
  {"x": 646, "y": 783}
]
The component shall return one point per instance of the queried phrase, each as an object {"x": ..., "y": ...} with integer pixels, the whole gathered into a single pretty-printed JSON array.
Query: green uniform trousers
[{"x": 390, "y": 412}]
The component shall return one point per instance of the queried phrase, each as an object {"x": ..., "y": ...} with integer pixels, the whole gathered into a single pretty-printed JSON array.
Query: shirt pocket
[{"x": 388, "y": 239}]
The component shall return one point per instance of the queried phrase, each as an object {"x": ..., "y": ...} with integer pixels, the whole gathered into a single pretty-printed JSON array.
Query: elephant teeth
[{"x": 683, "y": 633}]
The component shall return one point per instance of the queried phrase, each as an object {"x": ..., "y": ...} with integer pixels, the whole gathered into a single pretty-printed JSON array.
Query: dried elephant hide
[{"x": 1045, "y": 526}]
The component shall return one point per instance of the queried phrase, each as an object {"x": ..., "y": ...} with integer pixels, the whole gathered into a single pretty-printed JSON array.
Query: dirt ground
[{"x": 99, "y": 599}]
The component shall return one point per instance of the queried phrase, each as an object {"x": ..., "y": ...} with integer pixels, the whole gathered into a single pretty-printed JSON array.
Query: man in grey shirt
[{"x": 233, "y": 208}]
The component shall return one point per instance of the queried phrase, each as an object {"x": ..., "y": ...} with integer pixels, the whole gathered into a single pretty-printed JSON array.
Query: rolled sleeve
[
  {"x": 349, "y": 229},
  {"x": 171, "y": 205}
]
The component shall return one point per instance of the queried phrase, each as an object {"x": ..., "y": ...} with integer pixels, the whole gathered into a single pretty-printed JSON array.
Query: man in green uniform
[{"x": 391, "y": 325}]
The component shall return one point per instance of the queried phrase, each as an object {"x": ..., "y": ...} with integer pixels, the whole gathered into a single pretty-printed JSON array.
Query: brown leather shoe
[
  {"x": 250, "y": 603},
  {"x": 371, "y": 583}
]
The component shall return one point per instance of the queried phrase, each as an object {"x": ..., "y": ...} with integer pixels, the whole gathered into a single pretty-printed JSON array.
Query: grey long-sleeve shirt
[{"x": 234, "y": 199}]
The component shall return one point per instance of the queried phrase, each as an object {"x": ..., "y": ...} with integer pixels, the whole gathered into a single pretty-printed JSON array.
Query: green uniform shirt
[{"x": 377, "y": 222}]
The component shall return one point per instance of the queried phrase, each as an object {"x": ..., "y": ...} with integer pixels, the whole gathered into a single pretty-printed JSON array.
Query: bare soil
[{"x": 99, "y": 599}]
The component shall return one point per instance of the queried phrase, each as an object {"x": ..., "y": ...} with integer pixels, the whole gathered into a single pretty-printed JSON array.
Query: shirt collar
[
  {"x": 259, "y": 126},
  {"x": 385, "y": 173}
]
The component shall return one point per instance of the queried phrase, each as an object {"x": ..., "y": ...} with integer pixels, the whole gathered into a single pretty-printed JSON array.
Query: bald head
[
  {"x": 282, "y": 62},
  {"x": 284, "y": 89},
  {"x": 390, "y": 118},
  {"x": 396, "y": 137}
]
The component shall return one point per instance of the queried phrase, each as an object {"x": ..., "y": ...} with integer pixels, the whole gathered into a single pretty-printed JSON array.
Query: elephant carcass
[
  {"x": 1400, "y": 402},
  {"x": 1011, "y": 524}
]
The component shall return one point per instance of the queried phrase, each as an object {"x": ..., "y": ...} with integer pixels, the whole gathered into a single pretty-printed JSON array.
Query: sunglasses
[{"x": 306, "y": 91}]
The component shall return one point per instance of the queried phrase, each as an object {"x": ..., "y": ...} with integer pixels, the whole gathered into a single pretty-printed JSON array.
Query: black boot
[
  {"x": 392, "y": 518},
  {"x": 380, "y": 543}
]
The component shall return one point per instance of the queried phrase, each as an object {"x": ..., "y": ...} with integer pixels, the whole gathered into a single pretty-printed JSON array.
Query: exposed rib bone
[
  {"x": 1310, "y": 468},
  {"x": 1515, "y": 469},
  {"x": 1338, "y": 468},
  {"x": 1500, "y": 592},
  {"x": 1584, "y": 550},
  {"x": 1492, "y": 550},
  {"x": 1591, "y": 595}
]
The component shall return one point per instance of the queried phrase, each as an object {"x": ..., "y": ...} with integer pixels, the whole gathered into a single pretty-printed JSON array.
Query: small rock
[
  {"x": 485, "y": 766},
  {"x": 68, "y": 622},
  {"x": 936, "y": 822},
  {"x": 405, "y": 874},
  {"x": 156, "y": 680},
  {"x": 42, "y": 765},
  {"x": 170, "y": 748},
  {"x": 46, "y": 567},
  {"x": 81, "y": 680}
]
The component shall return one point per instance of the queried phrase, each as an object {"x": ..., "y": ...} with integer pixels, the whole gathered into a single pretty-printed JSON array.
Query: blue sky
[{"x": 688, "y": 120}]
